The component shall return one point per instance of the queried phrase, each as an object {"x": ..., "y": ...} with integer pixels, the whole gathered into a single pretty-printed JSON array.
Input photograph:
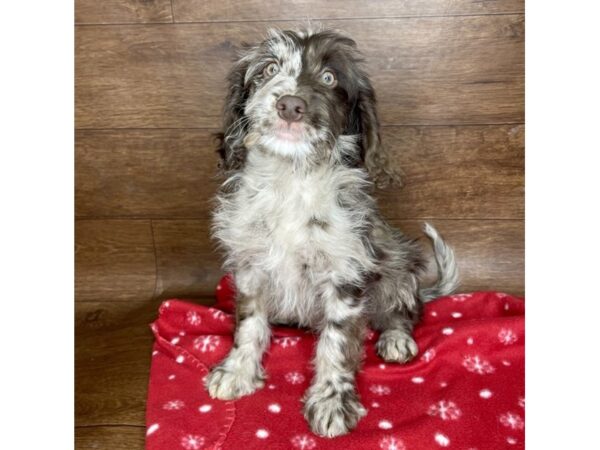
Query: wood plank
[
  {"x": 200, "y": 10},
  {"x": 473, "y": 172},
  {"x": 449, "y": 172},
  {"x": 489, "y": 254},
  {"x": 442, "y": 70},
  {"x": 123, "y": 11},
  {"x": 112, "y": 361},
  {"x": 114, "y": 259},
  {"x": 187, "y": 260},
  {"x": 113, "y": 344},
  {"x": 144, "y": 173},
  {"x": 110, "y": 437}
]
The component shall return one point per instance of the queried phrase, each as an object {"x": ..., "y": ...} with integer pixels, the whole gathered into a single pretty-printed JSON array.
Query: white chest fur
[{"x": 286, "y": 229}]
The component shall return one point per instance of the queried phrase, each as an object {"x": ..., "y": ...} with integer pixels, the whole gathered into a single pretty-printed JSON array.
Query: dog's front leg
[
  {"x": 331, "y": 404},
  {"x": 241, "y": 372}
]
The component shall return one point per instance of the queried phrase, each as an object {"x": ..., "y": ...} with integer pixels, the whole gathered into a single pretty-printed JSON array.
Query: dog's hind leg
[{"x": 395, "y": 319}]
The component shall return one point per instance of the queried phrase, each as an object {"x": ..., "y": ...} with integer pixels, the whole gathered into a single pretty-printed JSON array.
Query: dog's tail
[{"x": 447, "y": 270}]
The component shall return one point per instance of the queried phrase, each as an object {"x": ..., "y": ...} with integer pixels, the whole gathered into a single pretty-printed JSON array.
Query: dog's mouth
[{"x": 291, "y": 132}]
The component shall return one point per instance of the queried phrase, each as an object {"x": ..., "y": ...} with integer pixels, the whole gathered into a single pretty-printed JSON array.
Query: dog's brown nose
[{"x": 291, "y": 108}]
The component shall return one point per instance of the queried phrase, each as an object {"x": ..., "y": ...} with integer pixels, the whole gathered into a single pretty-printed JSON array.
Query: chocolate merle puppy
[{"x": 301, "y": 231}]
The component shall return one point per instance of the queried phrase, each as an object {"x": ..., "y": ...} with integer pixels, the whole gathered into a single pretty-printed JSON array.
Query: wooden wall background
[{"x": 149, "y": 89}]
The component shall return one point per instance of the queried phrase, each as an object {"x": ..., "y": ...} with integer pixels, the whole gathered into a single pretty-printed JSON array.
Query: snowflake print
[
  {"x": 380, "y": 389},
  {"x": 441, "y": 439},
  {"x": 193, "y": 318},
  {"x": 522, "y": 402},
  {"x": 218, "y": 314},
  {"x": 477, "y": 365},
  {"x": 294, "y": 377},
  {"x": 428, "y": 355},
  {"x": 370, "y": 335},
  {"x": 459, "y": 298},
  {"x": 511, "y": 420},
  {"x": 192, "y": 442},
  {"x": 507, "y": 336},
  {"x": 288, "y": 341},
  {"x": 391, "y": 443},
  {"x": 303, "y": 442},
  {"x": 173, "y": 405},
  {"x": 445, "y": 409},
  {"x": 206, "y": 343}
]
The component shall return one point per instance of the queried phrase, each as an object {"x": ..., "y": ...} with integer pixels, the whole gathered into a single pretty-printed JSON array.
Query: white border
[
  {"x": 562, "y": 224},
  {"x": 36, "y": 182}
]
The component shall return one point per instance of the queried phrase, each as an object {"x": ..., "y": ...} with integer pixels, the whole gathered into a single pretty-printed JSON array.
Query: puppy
[{"x": 302, "y": 234}]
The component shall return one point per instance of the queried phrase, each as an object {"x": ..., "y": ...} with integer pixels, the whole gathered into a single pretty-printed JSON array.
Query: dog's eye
[
  {"x": 328, "y": 79},
  {"x": 271, "y": 69}
]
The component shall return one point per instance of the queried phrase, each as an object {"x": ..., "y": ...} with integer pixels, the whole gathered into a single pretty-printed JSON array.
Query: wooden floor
[{"x": 149, "y": 89}]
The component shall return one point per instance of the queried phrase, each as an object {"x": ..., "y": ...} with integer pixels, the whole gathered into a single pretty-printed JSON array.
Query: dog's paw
[
  {"x": 332, "y": 414},
  {"x": 396, "y": 346},
  {"x": 227, "y": 384}
]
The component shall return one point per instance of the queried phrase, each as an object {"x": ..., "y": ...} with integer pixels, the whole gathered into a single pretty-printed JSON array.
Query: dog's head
[{"x": 294, "y": 95}]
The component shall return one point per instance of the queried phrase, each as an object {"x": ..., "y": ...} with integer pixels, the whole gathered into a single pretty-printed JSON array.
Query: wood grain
[
  {"x": 231, "y": 10},
  {"x": 144, "y": 173},
  {"x": 187, "y": 260},
  {"x": 114, "y": 259},
  {"x": 473, "y": 172},
  {"x": 489, "y": 254},
  {"x": 116, "y": 437},
  {"x": 442, "y": 70},
  {"x": 123, "y": 11},
  {"x": 112, "y": 360},
  {"x": 449, "y": 172},
  {"x": 112, "y": 339}
]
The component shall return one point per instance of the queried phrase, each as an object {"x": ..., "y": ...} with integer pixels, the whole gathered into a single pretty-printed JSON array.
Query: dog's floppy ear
[
  {"x": 231, "y": 140},
  {"x": 373, "y": 154}
]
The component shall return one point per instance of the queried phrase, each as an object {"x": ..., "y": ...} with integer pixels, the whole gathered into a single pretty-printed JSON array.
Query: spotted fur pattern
[{"x": 301, "y": 231}]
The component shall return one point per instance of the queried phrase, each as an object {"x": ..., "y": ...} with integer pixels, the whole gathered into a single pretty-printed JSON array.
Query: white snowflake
[
  {"x": 445, "y": 409},
  {"x": 522, "y": 402},
  {"x": 512, "y": 420},
  {"x": 192, "y": 442},
  {"x": 287, "y": 341},
  {"x": 441, "y": 439},
  {"x": 385, "y": 424},
  {"x": 428, "y": 355},
  {"x": 370, "y": 335},
  {"x": 303, "y": 442},
  {"x": 485, "y": 393},
  {"x": 507, "y": 336},
  {"x": 206, "y": 343},
  {"x": 294, "y": 377},
  {"x": 380, "y": 389},
  {"x": 173, "y": 405},
  {"x": 391, "y": 443},
  {"x": 218, "y": 314},
  {"x": 152, "y": 428},
  {"x": 460, "y": 297},
  {"x": 477, "y": 365},
  {"x": 193, "y": 318}
]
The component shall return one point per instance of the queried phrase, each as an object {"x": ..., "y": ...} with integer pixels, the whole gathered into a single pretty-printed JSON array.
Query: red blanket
[{"x": 465, "y": 390}]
